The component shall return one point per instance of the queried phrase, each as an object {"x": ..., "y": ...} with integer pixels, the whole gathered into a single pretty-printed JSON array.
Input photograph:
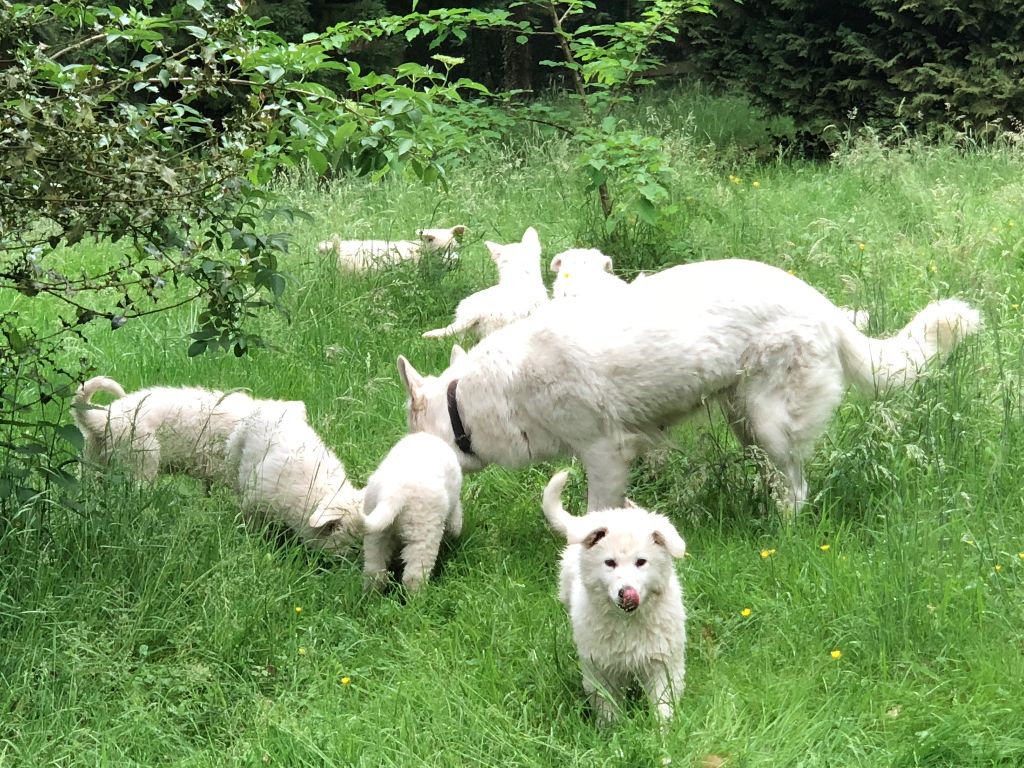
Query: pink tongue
[{"x": 630, "y": 598}]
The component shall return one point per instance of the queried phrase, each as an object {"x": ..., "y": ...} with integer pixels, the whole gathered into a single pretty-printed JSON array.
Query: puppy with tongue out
[{"x": 619, "y": 586}]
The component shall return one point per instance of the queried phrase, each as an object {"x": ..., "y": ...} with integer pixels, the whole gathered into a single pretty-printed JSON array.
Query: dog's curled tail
[
  {"x": 559, "y": 520},
  {"x": 90, "y": 418},
  {"x": 877, "y": 365},
  {"x": 382, "y": 517}
]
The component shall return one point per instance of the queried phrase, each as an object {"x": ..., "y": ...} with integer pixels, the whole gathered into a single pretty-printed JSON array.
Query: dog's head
[
  {"x": 626, "y": 555},
  {"x": 522, "y": 257},
  {"x": 581, "y": 260},
  {"x": 440, "y": 239},
  {"x": 427, "y": 403}
]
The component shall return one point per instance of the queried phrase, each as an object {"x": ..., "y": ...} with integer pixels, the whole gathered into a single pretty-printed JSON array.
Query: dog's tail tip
[
  {"x": 555, "y": 513},
  {"x": 97, "y": 384}
]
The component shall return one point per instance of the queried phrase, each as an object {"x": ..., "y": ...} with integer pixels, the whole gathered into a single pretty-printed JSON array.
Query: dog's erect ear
[
  {"x": 665, "y": 535},
  {"x": 594, "y": 536},
  {"x": 494, "y": 249},
  {"x": 458, "y": 355},
  {"x": 606, "y": 263},
  {"x": 630, "y": 504},
  {"x": 556, "y": 263},
  {"x": 531, "y": 238},
  {"x": 459, "y": 230},
  {"x": 413, "y": 382}
]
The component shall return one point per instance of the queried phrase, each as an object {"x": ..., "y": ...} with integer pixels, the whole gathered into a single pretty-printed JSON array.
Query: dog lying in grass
[
  {"x": 165, "y": 429},
  {"x": 519, "y": 292},
  {"x": 618, "y": 584},
  {"x": 603, "y": 380},
  {"x": 411, "y": 502},
  {"x": 285, "y": 474},
  {"x": 584, "y": 272},
  {"x": 363, "y": 255}
]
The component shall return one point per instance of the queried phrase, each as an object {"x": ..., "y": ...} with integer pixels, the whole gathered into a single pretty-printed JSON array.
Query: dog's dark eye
[
  {"x": 610, "y": 563},
  {"x": 640, "y": 562}
]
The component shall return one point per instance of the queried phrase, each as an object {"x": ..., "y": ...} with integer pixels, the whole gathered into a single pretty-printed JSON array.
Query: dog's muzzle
[{"x": 629, "y": 599}]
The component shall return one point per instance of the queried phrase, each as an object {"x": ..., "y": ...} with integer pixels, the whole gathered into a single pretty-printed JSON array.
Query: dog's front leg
[
  {"x": 600, "y": 694},
  {"x": 607, "y": 475},
  {"x": 663, "y": 687}
]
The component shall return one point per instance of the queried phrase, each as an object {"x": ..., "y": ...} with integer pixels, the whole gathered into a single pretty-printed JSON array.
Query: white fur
[
  {"x": 519, "y": 292},
  {"x": 619, "y": 586},
  {"x": 602, "y": 380},
  {"x": 286, "y": 474},
  {"x": 363, "y": 255},
  {"x": 859, "y": 317},
  {"x": 164, "y": 429},
  {"x": 411, "y": 501},
  {"x": 584, "y": 272}
]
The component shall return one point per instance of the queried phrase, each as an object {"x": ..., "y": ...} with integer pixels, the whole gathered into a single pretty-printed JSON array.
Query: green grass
[{"x": 145, "y": 626}]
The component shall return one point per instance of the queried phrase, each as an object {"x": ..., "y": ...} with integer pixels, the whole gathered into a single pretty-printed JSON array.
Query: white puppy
[
  {"x": 519, "y": 292},
  {"x": 584, "y": 272},
  {"x": 411, "y": 501},
  {"x": 362, "y": 255},
  {"x": 286, "y": 474},
  {"x": 169, "y": 429},
  {"x": 619, "y": 586},
  {"x": 603, "y": 380}
]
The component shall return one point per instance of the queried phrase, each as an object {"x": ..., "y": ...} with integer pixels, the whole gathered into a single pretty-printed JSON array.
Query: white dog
[
  {"x": 602, "y": 380},
  {"x": 411, "y": 501},
  {"x": 169, "y": 429},
  {"x": 619, "y": 586},
  {"x": 584, "y": 272},
  {"x": 519, "y": 292},
  {"x": 286, "y": 474},
  {"x": 362, "y": 255}
]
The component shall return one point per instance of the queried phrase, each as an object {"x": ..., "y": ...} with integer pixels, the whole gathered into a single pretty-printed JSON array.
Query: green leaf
[
  {"x": 70, "y": 434},
  {"x": 197, "y": 32}
]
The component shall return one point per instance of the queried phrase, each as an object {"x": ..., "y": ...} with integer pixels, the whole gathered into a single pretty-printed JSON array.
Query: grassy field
[{"x": 145, "y": 626}]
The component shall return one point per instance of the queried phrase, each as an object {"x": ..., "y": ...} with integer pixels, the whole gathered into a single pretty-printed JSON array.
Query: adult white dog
[
  {"x": 619, "y": 585},
  {"x": 411, "y": 502},
  {"x": 362, "y": 255},
  {"x": 164, "y": 429},
  {"x": 520, "y": 291},
  {"x": 602, "y": 380},
  {"x": 284, "y": 473},
  {"x": 584, "y": 272}
]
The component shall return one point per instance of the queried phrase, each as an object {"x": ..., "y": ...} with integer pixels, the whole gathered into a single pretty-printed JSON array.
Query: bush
[{"x": 924, "y": 64}]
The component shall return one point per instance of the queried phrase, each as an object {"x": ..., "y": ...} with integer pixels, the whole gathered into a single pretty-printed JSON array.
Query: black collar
[{"x": 461, "y": 436}]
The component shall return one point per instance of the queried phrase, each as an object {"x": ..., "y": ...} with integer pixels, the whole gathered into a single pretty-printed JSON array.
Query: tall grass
[{"x": 145, "y": 626}]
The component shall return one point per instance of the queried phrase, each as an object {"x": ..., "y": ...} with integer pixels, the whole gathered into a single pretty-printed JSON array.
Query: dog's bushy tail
[
  {"x": 91, "y": 419},
  {"x": 877, "y": 365},
  {"x": 559, "y": 520}
]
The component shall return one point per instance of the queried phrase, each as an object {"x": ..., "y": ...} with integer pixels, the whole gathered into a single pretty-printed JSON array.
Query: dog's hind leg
[
  {"x": 453, "y": 526},
  {"x": 607, "y": 465},
  {"x": 419, "y": 557},
  {"x": 785, "y": 418},
  {"x": 377, "y": 551}
]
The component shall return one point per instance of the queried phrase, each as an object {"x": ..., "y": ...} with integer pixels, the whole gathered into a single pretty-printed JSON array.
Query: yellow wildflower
[
  {"x": 825, "y": 547},
  {"x": 1020, "y": 555},
  {"x": 755, "y": 184},
  {"x": 836, "y": 654},
  {"x": 345, "y": 680},
  {"x": 298, "y": 609},
  {"x": 998, "y": 567},
  {"x": 766, "y": 553},
  {"x": 861, "y": 246},
  {"x": 745, "y": 612},
  {"x": 302, "y": 651}
]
